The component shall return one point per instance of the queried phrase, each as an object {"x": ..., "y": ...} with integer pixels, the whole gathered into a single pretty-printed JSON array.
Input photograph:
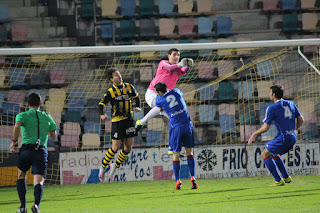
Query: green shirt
[{"x": 29, "y": 127}]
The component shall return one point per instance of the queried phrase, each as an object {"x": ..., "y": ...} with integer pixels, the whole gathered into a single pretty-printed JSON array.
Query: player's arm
[
  {"x": 300, "y": 120},
  {"x": 106, "y": 98},
  {"x": 265, "y": 127},
  {"x": 16, "y": 134},
  {"x": 136, "y": 98},
  {"x": 52, "y": 128}
]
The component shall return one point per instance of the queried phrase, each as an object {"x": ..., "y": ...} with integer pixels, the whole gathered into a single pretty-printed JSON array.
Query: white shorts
[{"x": 151, "y": 98}]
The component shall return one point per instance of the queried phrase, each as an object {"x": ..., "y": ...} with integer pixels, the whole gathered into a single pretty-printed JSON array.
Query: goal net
[{"x": 226, "y": 91}]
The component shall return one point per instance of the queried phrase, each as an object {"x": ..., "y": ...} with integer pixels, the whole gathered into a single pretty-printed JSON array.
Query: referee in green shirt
[{"x": 34, "y": 126}]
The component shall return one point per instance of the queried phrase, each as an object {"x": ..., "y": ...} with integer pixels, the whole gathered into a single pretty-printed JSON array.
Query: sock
[
  {"x": 282, "y": 168},
  {"x": 151, "y": 114},
  {"x": 176, "y": 169},
  {"x": 38, "y": 192},
  {"x": 121, "y": 157},
  {"x": 108, "y": 157},
  {"x": 272, "y": 168},
  {"x": 191, "y": 164},
  {"x": 22, "y": 190}
]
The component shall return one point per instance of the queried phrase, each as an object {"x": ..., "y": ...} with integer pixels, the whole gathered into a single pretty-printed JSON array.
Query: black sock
[
  {"x": 22, "y": 190},
  {"x": 38, "y": 192}
]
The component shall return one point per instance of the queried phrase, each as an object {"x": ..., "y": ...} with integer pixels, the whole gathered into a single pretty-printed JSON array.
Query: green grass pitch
[{"x": 213, "y": 195}]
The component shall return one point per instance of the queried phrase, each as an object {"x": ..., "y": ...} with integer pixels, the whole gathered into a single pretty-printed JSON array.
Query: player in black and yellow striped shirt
[{"x": 120, "y": 95}]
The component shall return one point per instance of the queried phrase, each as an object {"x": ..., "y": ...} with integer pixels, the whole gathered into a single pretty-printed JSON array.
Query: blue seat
[
  {"x": 289, "y": 4},
  {"x": 227, "y": 123},
  {"x": 248, "y": 89},
  {"x": 166, "y": 7},
  {"x": 73, "y": 116},
  {"x": 225, "y": 91},
  {"x": 127, "y": 29},
  {"x": 146, "y": 7},
  {"x": 205, "y": 25},
  {"x": 10, "y": 108},
  {"x": 92, "y": 127},
  {"x": 76, "y": 100},
  {"x": 39, "y": 77},
  {"x": 87, "y": 9},
  {"x": 5, "y": 142},
  {"x": 17, "y": 77},
  {"x": 224, "y": 25},
  {"x": 128, "y": 7},
  {"x": 207, "y": 93},
  {"x": 207, "y": 113},
  {"x": 106, "y": 29},
  {"x": 4, "y": 12},
  {"x": 154, "y": 138},
  {"x": 265, "y": 69},
  {"x": 290, "y": 23}
]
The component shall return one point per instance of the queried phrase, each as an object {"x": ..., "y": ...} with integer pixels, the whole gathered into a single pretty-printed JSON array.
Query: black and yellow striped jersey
[{"x": 121, "y": 98}]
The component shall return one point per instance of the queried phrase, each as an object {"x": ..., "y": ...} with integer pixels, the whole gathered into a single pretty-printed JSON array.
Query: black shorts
[
  {"x": 38, "y": 159},
  {"x": 123, "y": 129}
]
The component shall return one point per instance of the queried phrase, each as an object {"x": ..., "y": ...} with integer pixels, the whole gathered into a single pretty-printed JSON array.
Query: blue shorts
[
  {"x": 281, "y": 145},
  {"x": 38, "y": 159},
  {"x": 181, "y": 136}
]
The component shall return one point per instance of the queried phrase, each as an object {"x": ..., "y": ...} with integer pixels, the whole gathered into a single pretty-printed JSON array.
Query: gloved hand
[
  {"x": 183, "y": 63},
  {"x": 190, "y": 62}
]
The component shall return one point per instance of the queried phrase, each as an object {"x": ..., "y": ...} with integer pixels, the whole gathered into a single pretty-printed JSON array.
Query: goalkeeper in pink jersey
[{"x": 168, "y": 72}]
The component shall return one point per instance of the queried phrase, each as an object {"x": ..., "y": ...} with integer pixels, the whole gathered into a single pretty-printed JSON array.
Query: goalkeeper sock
[
  {"x": 22, "y": 190},
  {"x": 191, "y": 164},
  {"x": 282, "y": 168},
  {"x": 151, "y": 114},
  {"x": 108, "y": 157},
  {"x": 38, "y": 192},
  {"x": 121, "y": 157},
  {"x": 176, "y": 169},
  {"x": 272, "y": 168}
]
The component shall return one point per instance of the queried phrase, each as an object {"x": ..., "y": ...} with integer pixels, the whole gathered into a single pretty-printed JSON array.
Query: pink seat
[
  {"x": 192, "y": 112},
  {"x": 19, "y": 32},
  {"x": 70, "y": 140},
  {"x": 58, "y": 75},
  {"x": 6, "y": 131},
  {"x": 71, "y": 128},
  {"x": 309, "y": 49},
  {"x": 309, "y": 117},
  {"x": 309, "y": 21},
  {"x": 205, "y": 70},
  {"x": 228, "y": 109},
  {"x": 249, "y": 130},
  {"x": 308, "y": 4},
  {"x": 270, "y": 5},
  {"x": 225, "y": 68},
  {"x": 16, "y": 96},
  {"x": 185, "y": 26}
]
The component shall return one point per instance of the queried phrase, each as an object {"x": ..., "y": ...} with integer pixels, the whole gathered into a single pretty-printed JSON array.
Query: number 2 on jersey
[
  {"x": 287, "y": 112},
  {"x": 171, "y": 99}
]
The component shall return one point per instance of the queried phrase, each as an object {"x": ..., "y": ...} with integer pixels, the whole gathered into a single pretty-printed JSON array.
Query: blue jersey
[
  {"x": 175, "y": 107},
  {"x": 283, "y": 113}
]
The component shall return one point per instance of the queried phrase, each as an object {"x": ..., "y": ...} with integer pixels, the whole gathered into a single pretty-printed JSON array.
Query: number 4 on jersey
[{"x": 287, "y": 112}]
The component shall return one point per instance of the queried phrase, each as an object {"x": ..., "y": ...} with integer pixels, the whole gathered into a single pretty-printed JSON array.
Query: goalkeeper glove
[
  {"x": 190, "y": 62},
  {"x": 183, "y": 63}
]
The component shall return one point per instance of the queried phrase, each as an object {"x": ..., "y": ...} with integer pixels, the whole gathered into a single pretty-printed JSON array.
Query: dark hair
[
  {"x": 34, "y": 100},
  {"x": 160, "y": 87},
  {"x": 277, "y": 90},
  {"x": 173, "y": 50},
  {"x": 110, "y": 72}
]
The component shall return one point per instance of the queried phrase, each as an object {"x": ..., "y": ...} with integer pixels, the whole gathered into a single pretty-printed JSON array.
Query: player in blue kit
[
  {"x": 283, "y": 114},
  {"x": 180, "y": 129}
]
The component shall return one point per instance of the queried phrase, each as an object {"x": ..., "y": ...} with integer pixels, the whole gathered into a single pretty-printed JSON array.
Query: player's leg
[
  {"x": 189, "y": 144},
  {"x": 267, "y": 158},
  {"x": 150, "y": 98},
  {"x": 176, "y": 169},
  {"x": 174, "y": 137}
]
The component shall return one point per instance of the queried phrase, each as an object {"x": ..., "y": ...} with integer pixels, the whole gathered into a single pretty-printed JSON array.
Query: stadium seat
[
  {"x": 290, "y": 23},
  {"x": 185, "y": 6},
  {"x": 309, "y": 21},
  {"x": 92, "y": 114},
  {"x": 204, "y": 6},
  {"x": 109, "y": 8},
  {"x": 225, "y": 68},
  {"x": 248, "y": 118},
  {"x": 76, "y": 100},
  {"x": 71, "y": 128},
  {"x": 57, "y": 95},
  {"x": 166, "y": 26},
  {"x": 309, "y": 117},
  {"x": 149, "y": 55},
  {"x": 10, "y": 108},
  {"x": 17, "y": 76},
  {"x": 128, "y": 8},
  {"x": 224, "y": 52},
  {"x": 227, "y": 123},
  {"x": 166, "y": 7},
  {"x": 146, "y": 72},
  {"x": 188, "y": 91},
  {"x": 69, "y": 140},
  {"x": 90, "y": 140},
  {"x": 224, "y": 25},
  {"x": 205, "y": 70},
  {"x": 38, "y": 77},
  {"x": 186, "y": 53},
  {"x": 205, "y": 53},
  {"x": 228, "y": 109},
  {"x": 270, "y": 134},
  {"x": 192, "y": 112},
  {"x": 87, "y": 9},
  {"x": 147, "y": 28},
  {"x": 270, "y": 5},
  {"x": 3, "y": 35},
  {"x": 146, "y": 7},
  {"x": 57, "y": 75},
  {"x": 5, "y": 142},
  {"x": 306, "y": 49},
  {"x": 156, "y": 124},
  {"x": 138, "y": 115},
  {"x": 246, "y": 131},
  {"x": 248, "y": 89},
  {"x": 264, "y": 88},
  {"x": 226, "y": 91},
  {"x": 19, "y": 32},
  {"x": 16, "y": 96},
  {"x": 128, "y": 29},
  {"x": 106, "y": 29},
  {"x": 6, "y": 131},
  {"x": 185, "y": 26},
  {"x": 154, "y": 138},
  {"x": 289, "y": 4},
  {"x": 206, "y": 92},
  {"x": 4, "y": 12},
  {"x": 207, "y": 113},
  {"x": 92, "y": 127},
  {"x": 205, "y": 26},
  {"x": 243, "y": 52},
  {"x": 265, "y": 69},
  {"x": 308, "y": 4}
]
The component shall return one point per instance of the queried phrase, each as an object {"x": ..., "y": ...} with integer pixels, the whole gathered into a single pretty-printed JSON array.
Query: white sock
[{"x": 151, "y": 114}]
